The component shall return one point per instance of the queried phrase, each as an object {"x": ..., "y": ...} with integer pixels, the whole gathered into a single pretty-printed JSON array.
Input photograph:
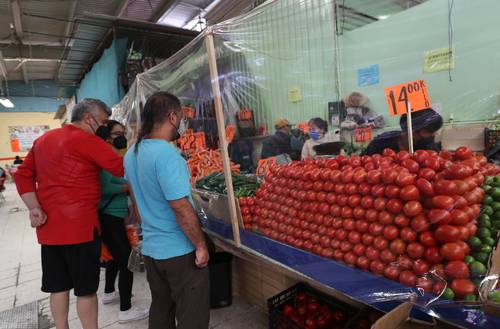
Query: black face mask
[
  {"x": 120, "y": 142},
  {"x": 102, "y": 131}
]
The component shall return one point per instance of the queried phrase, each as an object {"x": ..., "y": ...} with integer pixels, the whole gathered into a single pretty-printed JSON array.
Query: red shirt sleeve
[
  {"x": 103, "y": 155},
  {"x": 25, "y": 176}
]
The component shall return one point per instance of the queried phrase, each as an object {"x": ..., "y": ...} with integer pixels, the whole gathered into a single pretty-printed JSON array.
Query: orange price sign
[
  {"x": 362, "y": 135},
  {"x": 230, "y": 131},
  {"x": 265, "y": 165},
  {"x": 200, "y": 140},
  {"x": 303, "y": 126},
  {"x": 413, "y": 92}
]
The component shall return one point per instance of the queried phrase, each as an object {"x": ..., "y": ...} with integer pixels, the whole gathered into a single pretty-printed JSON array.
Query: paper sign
[
  {"x": 441, "y": 59},
  {"x": 230, "y": 131},
  {"x": 15, "y": 146},
  {"x": 362, "y": 135},
  {"x": 265, "y": 165},
  {"x": 414, "y": 92},
  {"x": 294, "y": 94},
  {"x": 368, "y": 76},
  {"x": 200, "y": 140}
]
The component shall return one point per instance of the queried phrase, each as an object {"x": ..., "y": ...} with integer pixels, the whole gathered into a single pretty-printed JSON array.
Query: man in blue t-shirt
[{"x": 173, "y": 244}]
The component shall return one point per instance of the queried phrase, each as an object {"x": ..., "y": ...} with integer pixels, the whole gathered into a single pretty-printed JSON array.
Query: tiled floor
[{"x": 20, "y": 276}]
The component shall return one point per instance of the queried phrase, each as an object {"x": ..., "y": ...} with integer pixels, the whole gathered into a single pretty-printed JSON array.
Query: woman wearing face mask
[
  {"x": 113, "y": 209},
  {"x": 318, "y": 134}
]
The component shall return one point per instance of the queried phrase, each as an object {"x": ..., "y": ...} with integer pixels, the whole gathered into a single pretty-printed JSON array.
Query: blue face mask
[{"x": 315, "y": 135}]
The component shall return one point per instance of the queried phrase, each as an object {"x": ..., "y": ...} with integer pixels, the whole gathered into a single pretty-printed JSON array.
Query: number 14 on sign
[{"x": 413, "y": 92}]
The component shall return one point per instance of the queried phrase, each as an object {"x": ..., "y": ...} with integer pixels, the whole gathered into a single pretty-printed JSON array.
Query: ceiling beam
[
  {"x": 37, "y": 52},
  {"x": 3, "y": 67},
  {"x": 16, "y": 15},
  {"x": 163, "y": 8}
]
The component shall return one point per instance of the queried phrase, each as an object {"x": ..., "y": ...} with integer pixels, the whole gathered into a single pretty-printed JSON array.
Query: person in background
[
  {"x": 113, "y": 209},
  {"x": 318, "y": 133},
  {"x": 18, "y": 160},
  {"x": 174, "y": 247},
  {"x": 425, "y": 123},
  {"x": 279, "y": 143},
  {"x": 59, "y": 183}
]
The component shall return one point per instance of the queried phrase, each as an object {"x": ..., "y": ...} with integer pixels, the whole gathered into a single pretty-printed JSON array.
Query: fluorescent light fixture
[
  {"x": 382, "y": 17},
  {"x": 6, "y": 103}
]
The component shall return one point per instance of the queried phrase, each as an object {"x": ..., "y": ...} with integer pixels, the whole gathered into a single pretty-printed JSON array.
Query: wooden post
[
  {"x": 219, "y": 115},
  {"x": 410, "y": 128}
]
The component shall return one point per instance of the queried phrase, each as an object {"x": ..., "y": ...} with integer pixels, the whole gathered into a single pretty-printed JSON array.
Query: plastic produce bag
[{"x": 136, "y": 259}]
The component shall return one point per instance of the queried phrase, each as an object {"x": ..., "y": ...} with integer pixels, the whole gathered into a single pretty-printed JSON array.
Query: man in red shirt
[{"x": 59, "y": 183}]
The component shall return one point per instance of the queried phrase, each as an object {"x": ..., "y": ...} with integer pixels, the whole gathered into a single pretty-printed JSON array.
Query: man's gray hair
[{"x": 87, "y": 105}]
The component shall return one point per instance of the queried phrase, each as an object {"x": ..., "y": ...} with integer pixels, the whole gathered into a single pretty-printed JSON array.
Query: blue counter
[{"x": 364, "y": 287}]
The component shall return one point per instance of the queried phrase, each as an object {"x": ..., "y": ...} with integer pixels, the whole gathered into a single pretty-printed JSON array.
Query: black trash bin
[{"x": 220, "y": 280}]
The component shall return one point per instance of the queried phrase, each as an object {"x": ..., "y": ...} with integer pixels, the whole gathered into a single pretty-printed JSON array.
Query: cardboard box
[{"x": 399, "y": 318}]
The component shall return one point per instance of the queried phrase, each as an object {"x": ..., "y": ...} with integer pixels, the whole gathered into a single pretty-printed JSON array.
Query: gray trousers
[{"x": 179, "y": 290}]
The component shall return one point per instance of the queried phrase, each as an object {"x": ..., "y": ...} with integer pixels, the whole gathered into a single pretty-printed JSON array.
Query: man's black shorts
[{"x": 74, "y": 266}]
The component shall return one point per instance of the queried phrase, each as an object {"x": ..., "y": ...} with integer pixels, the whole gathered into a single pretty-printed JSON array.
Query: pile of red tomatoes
[{"x": 399, "y": 215}]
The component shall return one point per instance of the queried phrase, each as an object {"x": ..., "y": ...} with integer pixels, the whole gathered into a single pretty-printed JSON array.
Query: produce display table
[{"x": 361, "y": 286}]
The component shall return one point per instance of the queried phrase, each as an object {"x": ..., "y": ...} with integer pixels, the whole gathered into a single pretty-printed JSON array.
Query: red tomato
[
  {"x": 443, "y": 202},
  {"x": 367, "y": 239},
  {"x": 321, "y": 197},
  {"x": 354, "y": 200},
  {"x": 354, "y": 237},
  {"x": 359, "y": 249},
  {"x": 401, "y": 220},
  {"x": 362, "y": 226},
  {"x": 463, "y": 153},
  {"x": 408, "y": 235},
  {"x": 331, "y": 198},
  {"x": 460, "y": 202},
  {"x": 439, "y": 216},
  {"x": 363, "y": 263},
  {"x": 389, "y": 153},
  {"x": 392, "y": 191},
  {"x": 405, "y": 179},
  {"x": 391, "y": 232},
  {"x": 364, "y": 189},
  {"x": 415, "y": 250},
  {"x": 385, "y": 218},
  {"x": 398, "y": 246},
  {"x": 465, "y": 247},
  {"x": 349, "y": 224},
  {"x": 335, "y": 210},
  {"x": 359, "y": 176},
  {"x": 372, "y": 253},
  {"x": 408, "y": 278},
  {"x": 457, "y": 270},
  {"x": 350, "y": 258},
  {"x": 412, "y": 208},
  {"x": 342, "y": 200},
  {"x": 389, "y": 176},
  {"x": 427, "y": 239},
  {"x": 367, "y": 202},
  {"x": 420, "y": 267},
  {"x": 424, "y": 283},
  {"x": 377, "y": 267},
  {"x": 409, "y": 192},
  {"x": 438, "y": 288},
  {"x": 395, "y": 206},
  {"x": 463, "y": 287},
  {"x": 378, "y": 191},
  {"x": 392, "y": 273},
  {"x": 404, "y": 262},
  {"x": 452, "y": 251},
  {"x": 425, "y": 187},
  {"x": 447, "y": 233},
  {"x": 380, "y": 243},
  {"x": 432, "y": 163},
  {"x": 371, "y": 215},
  {"x": 387, "y": 256},
  {"x": 380, "y": 203},
  {"x": 446, "y": 187},
  {"x": 459, "y": 217},
  {"x": 376, "y": 229},
  {"x": 427, "y": 173},
  {"x": 374, "y": 177},
  {"x": 411, "y": 165}
]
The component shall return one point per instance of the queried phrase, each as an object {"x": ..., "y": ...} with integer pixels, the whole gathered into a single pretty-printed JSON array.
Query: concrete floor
[{"x": 20, "y": 279}]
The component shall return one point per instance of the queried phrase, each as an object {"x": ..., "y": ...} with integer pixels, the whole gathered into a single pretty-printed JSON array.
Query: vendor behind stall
[
  {"x": 318, "y": 133},
  {"x": 425, "y": 123},
  {"x": 279, "y": 143}
]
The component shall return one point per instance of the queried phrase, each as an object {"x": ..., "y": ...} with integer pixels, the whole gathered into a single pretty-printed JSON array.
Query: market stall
[{"x": 376, "y": 230}]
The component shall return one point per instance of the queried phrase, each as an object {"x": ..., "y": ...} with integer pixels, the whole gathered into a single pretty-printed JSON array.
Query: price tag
[
  {"x": 363, "y": 135},
  {"x": 190, "y": 142},
  {"x": 265, "y": 165},
  {"x": 230, "y": 131},
  {"x": 414, "y": 92},
  {"x": 188, "y": 112}
]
